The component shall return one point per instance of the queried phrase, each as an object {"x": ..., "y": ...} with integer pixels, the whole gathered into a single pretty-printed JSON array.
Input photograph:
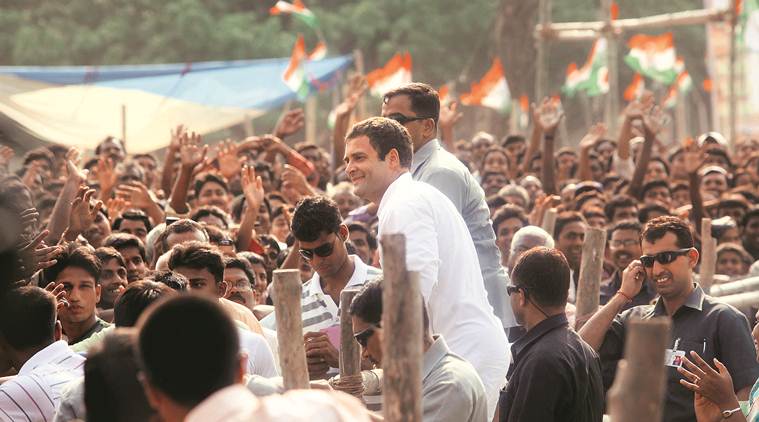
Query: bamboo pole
[
  {"x": 292, "y": 352},
  {"x": 541, "y": 74},
  {"x": 733, "y": 109},
  {"x": 746, "y": 285},
  {"x": 402, "y": 342},
  {"x": 350, "y": 354},
  {"x": 742, "y": 301},
  {"x": 312, "y": 104},
  {"x": 123, "y": 124},
  {"x": 612, "y": 100},
  {"x": 638, "y": 390},
  {"x": 358, "y": 60},
  {"x": 708, "y": 255},
  {"x": 549, "y": 221},
  {"x": 591, "y": 270}
]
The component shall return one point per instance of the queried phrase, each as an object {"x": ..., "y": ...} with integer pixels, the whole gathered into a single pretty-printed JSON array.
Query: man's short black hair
[
  {"x": 585, "y": 197},
  {"x": 210, "y": 210},
  {"x": 658, "y": 227},
  {"x": 385, "y": 135},
  {"x": 133, "y": 301},
  {"x": 198, "y": 256},
  {"x": 175, "y": 361},
  {"x": 752, "y": 212},
  {"x": 107, "y": 253},
  {"x": 506, "y": 212},
  {"x": 134, "y": 215},
  {"x": 121, "y": 241},
  {"x": 425, "y": 101},
  {"x": 208, "y": 178},
  {"x": 367, "y": 304},
  {"x": 618, "y": 201},
  {"x": 663, "y": 163},
  {"x": 314, "y": 216},
  {"x": 39, "y": 154},
  {"x": 565, "y": 218},
  {"x": 170, "y": 278},
  {"x": 184, "y": 225},
  {"x": 74, "y": 255},
  {"x": 512, "y": 139},
  {"x": 27, "y": 317},
  {"x": 371, "y": 239},
  {"x": 544, "y": 273},
  {"x": 646, "y": 211},
  {"x": 654, "y": 184},
  {"x": 241, "y": 264},
  {"x": 624, "y": 225},
  {"x": 107, "y": 139}
]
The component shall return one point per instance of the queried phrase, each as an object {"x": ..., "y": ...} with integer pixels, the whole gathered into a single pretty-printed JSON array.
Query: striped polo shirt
[{"x": 35, "y": 392}]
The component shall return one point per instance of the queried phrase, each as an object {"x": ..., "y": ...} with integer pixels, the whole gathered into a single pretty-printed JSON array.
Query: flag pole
[
  {"x": 612, "y": 97},
  {"x": 731, "y": 89},
  {"x": 541, "y": 79}
]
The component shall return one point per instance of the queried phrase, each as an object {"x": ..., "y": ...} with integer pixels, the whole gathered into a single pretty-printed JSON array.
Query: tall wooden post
[
  {"x": 708, "y": 255},
  {"x": 591, "y": 270},
  {"x": 638, "y": 390},
  {"x": 123, "y": 124},
  {"x": 350, "y": 355},
  {"x": 541, "y": 78},
  {"x": 312, "y": 104},
  {"x": 358, "y": 61},
  {"x": 292, "y": 352},
  {"x": 402, "y": 328},
  {"x": 549, "y": 221},
  {"x": 612, "y": 98},
  {"x": 731, "y": 89}
]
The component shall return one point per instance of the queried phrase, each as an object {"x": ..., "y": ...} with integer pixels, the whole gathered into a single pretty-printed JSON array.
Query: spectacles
[
  {"x": 322, "y": 251},
  {"x": 662, "y": 257},
  {"x": 511, "y": 289},
  {"x": 363, "y": 337},
  {"x": 621, "y": 243},
  {"x": 400, "y": 118}
]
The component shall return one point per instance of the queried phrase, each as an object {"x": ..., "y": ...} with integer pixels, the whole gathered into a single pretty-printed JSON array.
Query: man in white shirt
[
  {"x": 30, "y": 335},
  {"x": 378, "y": 156},
  {"x": 187, "y": 380}
]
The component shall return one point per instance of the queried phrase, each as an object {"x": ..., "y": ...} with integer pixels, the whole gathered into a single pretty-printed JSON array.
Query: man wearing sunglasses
[
  {"x": 378, "y": 156},
  {"x": 699, "y": 323},
  {"x": 623, "y": 246},
  {"x": 416, "y": 106},
  {"x": 320, "y": 239},
  {"x": 451, "y": 389}
]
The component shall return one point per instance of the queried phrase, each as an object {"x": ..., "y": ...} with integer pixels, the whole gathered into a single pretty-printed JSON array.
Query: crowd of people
[{"x": 140, "y": 288}]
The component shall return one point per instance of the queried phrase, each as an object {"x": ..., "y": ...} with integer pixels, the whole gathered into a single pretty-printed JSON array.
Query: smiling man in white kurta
[{"x": 438, "y": 245}]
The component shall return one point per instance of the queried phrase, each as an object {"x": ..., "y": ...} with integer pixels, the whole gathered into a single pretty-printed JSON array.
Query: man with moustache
[
  {"x": 241, "y": 282},
  {"x": 699, "y": 323},
  {"x": 569, "y": 234},
  {"x": 623, "y": 247}
]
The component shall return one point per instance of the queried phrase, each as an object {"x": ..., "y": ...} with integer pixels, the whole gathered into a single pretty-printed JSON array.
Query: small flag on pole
[
  {"x": 396, "y": 72},
  {"x": 653, "y": 56},
  {"x": 636, "y": 88},
  {"x": 295, "y": 76},
  {"x": 297, "y": 9},
  {"x": 593, "y": 76},
  {"x": 491, "y": 91},
  {"x": 319, "y": 52}
]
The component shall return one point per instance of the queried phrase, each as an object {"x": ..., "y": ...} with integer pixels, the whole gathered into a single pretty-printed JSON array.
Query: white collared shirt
[
  {"x": 35, "y": 392},
  {"x": 440, "y": 248}
]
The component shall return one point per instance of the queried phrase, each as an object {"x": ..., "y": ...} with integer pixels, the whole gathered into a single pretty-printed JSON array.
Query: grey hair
[{"x": 532, "y": 231}]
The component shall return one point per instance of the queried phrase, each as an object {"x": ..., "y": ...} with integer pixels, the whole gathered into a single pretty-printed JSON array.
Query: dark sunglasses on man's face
[
  {"x": 400, "y": 118},
  {"x": 323, "y": 251},
  {"x": 663, "y": 257},
  {"x": 363, "y": 337},
  {"x": 511, "y": 289}
]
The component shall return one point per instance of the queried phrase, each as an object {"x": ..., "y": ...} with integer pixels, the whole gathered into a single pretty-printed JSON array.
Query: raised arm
[
  {"x": 59, "y": 219},
  {"x": 694, "y": 160},
  {"x": 253, "y": 189},
  {"x": 653, "y": 123},
  {"x": 192, "y": 154},
  {"x": 449, "y": 115},
  {"x": 167, "y": 175},
  {"x": 550, "y": 114},
  {"x": 534, "y": 143},
  {"x": 586, "y": 144},
  {"x": 357, "y": 86}
]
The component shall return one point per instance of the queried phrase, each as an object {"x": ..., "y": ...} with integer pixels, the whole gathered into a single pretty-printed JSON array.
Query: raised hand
[
  {"x": 135, "y": 194},
  {"x": 176, "y": 135},
  {"x": 106, "y": 174},
  {"x": 191, "y": 152},
  {"x": 59, "y": 291},
  {"x": 694, "y": 157},
  {"x": 715, "y": 388},
  {"x": 549, "y": 115},
  {"x": 294, "y": 184},
  {"x": 289, "y": 123},
  {"x": 32, "y": 176},
  {"x": 83, "y": 212},
  {"x": 449, "y": 115},
  {"x": 117, "y": 205},
  {"x": 357, "y": 86},
  {"x": 252, "y": 188},
  {"x": 6, "y": 153},
  {"x": 229, "y": 162},
  {"x": 594, "y": 134},
  {"x": 655, "y": 120},
  {"x": 36, "y": 255}
]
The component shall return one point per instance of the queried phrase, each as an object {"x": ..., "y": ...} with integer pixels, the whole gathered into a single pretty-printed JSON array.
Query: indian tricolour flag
[
  {"x": 395, "y": 73},
  {"x": 575, "y": 78},
  {"x": 297, "y": 9},
  {"x": 491, "y": 91},
  {"x": 295, "y": 76},
  {"x": 670, "y": 100},
  {"x": 593, "y": 76},
  {"x": 653, "y": 56},
  {"x": 636, "y": 88},
  {"x": 524, "y": 112},
  {"x": 684, "y": 82},
  {"x": 319, "y": 52}
]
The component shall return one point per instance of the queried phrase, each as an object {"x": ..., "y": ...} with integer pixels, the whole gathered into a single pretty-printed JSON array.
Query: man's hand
[
  {"x": 289, "y": 123},
  {"x": 594, "y": 134},
  {"x": 117, "y": 205},
  {"x": 83, "y": 212},
  {"x": 135, "y": 195},
  {"x": 633, "y": 278},
  {"x": 36, "y": 255},
  {"x": 6, "y": 153},
  {"x": 357, "y": 86},
  {"x": 694, "y": 158},
  {"x": 107, "y": 176},
  {"x": 549, "y": 115},
  {"x": 32, "y": 177},
  {"x": 60, "y": 295},
  {"x": 318, "y": 345},
  {"x": 176, "y": 136},
  {"x": 229, "y": 163},
  {"x": 703, "y": 379},
  {"x": 294, "y": 183},
  {"x": 191, "y": 154},
  {"x": 252, "y": 188},
  {"x": 654, "y": 121},
  {"x": 449, "y": 115}
]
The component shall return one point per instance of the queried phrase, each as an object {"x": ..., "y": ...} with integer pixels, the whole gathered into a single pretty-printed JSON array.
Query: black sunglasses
[
  {"x": 662, "y": 257},
  {"x": 323, "y": 251},
  {"x": 400, "y": 118},
  {"x": 362, "y": 337},
  {"x": 511, "y": 289}
]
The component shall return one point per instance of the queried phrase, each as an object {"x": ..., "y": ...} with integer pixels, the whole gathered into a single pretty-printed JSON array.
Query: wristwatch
[{"x": 727, "y": 413}]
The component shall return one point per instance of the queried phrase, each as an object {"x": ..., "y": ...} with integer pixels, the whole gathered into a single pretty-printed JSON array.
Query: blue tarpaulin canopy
[{"x": 80, "y": 105}]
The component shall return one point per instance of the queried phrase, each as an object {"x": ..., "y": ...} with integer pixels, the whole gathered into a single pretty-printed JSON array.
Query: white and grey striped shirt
[{"x": 35, "y": 392}]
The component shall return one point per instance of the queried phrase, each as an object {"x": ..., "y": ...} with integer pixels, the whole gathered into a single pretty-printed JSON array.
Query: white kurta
[{"x": 440, "y": 248}]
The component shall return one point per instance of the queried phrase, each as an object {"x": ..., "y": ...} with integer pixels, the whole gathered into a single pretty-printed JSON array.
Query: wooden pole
[
  {"x": 638, "y": 390},
  {"x": 750, "y": 284},
  {"x": 541, "y": 78},
  {"x": 350, "y": 354},
  {"x": 743, "y": 301},
  {"x": 549, "y": 221},
  {"x": 591, "y": 270},
  {"x": 708, "y": 255},
  {"x": 312, "y": 104},
  {"x": 402, "y": 326},
  {"x": 123, "y": 124},
  {"x": 612, "y": 98},
  {"x": 292, "y": 352},
  {"x": 731, "y": 88},
  {"x": 358, "y": 60}
]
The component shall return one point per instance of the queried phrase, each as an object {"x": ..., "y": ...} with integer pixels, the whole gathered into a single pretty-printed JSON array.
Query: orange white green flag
[
  {"x": 319, "y": 52},
  {"x": 684, "y": 82},
  {"x": 491, "y": 91},
  {"x": 593, "y": 77},
  {"x": 524, "y": 112},
  {"x": 297, "y": 9},
  {"x": 670, "y": 100},
  {"x": 653, "y": 56},
  {"x": 295, "y": 75},
  {"x": 636, "y": 88},
  {"x": 396, "y": 72}
]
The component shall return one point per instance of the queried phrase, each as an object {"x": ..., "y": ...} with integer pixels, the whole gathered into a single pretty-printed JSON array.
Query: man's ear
[
  {"x": 98, "y": 290},
  {"x": 393, "y": 158},
  {"x": 154, "y": 396},
  {"x": 693, "y": 257},
  {"x": 343, "y": 232},
  {"x": 430, "y": 128},
  {"x": 222, "y": 287}
]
